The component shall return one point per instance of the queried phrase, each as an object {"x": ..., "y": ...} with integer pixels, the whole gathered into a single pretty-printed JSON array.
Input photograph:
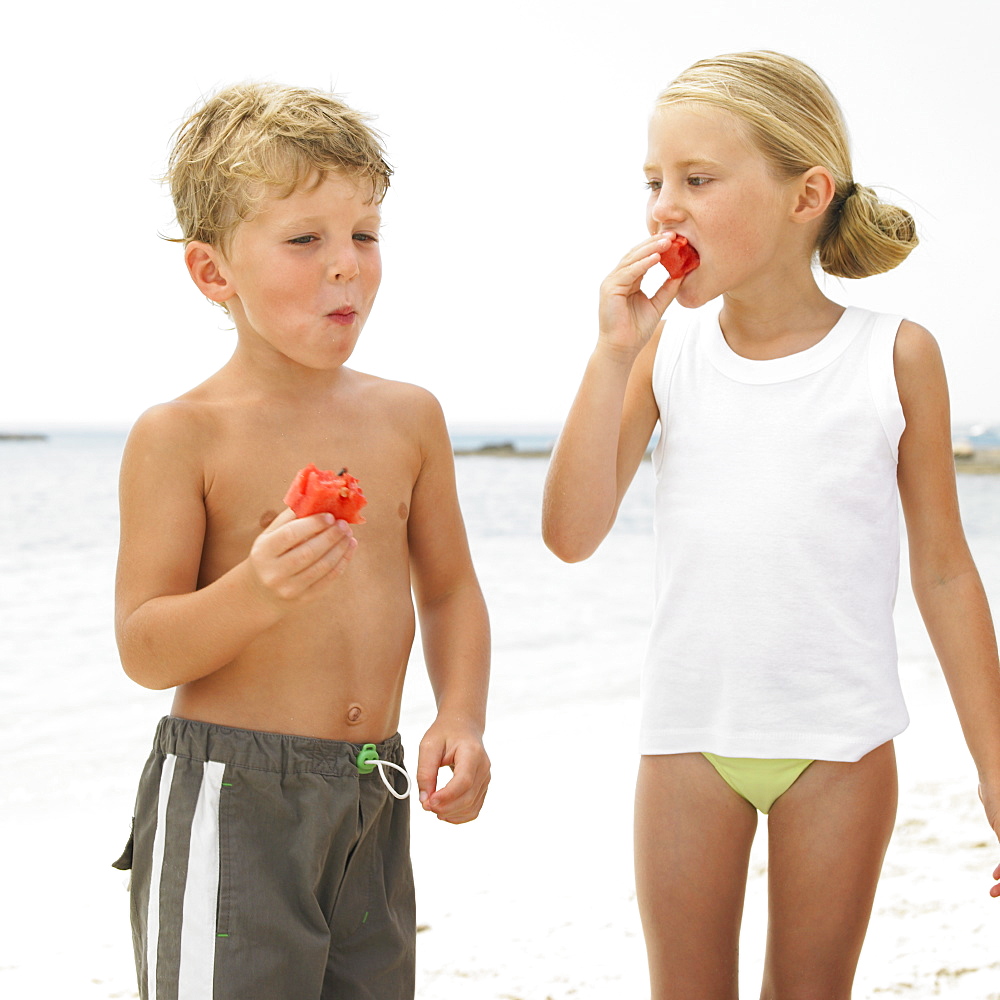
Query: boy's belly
[{"x": 329, "y": 673}]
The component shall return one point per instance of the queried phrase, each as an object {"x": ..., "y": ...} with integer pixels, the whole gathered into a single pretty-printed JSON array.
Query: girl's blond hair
[
  {"x": 252, "y": 137},
  {"x": 793, "y": 119}
]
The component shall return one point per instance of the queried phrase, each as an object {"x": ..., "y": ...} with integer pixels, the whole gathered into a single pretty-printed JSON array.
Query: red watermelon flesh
[
  {"x": 680, "y": 257},
  {"x": 314, "y": 491}
]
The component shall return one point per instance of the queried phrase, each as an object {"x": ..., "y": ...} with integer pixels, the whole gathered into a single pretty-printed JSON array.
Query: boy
[{"x": 266, "y": 864}]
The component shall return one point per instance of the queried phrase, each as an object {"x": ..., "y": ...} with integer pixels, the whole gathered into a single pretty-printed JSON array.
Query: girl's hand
[
  {"x": 292, "y": 557},
  {"x": 990, "y": 798},
  {"x": 628, "y": 317}
]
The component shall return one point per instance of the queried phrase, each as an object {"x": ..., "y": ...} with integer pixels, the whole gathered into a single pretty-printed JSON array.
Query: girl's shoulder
[{"x": 916, "y": 358}]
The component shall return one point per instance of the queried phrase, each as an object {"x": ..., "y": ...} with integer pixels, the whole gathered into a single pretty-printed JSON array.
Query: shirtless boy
[{"x": 265, "y": 862}]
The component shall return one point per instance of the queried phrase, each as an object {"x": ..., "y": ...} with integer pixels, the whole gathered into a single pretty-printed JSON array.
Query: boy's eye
[
  {"x": 654, "y": 185},
  {"x": 698, "y": 181}
]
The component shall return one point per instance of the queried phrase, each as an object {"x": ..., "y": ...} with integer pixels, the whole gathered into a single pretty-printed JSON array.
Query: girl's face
[{"x": 709, "y": 183}]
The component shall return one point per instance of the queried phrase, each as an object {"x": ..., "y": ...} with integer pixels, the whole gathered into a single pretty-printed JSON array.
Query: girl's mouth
[{"x": 342, "y": 317}]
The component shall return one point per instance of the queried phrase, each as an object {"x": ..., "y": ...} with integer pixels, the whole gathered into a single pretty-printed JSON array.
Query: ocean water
[
  {"x": 58, "y": 538},
  {"x": 568, "y": 641}
]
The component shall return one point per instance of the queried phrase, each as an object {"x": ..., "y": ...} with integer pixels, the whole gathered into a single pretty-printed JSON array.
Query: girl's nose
[{"x": 666, "y": 209}]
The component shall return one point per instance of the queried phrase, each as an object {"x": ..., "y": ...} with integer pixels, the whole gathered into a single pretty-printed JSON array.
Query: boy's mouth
[{"x": 344, "y": 316}]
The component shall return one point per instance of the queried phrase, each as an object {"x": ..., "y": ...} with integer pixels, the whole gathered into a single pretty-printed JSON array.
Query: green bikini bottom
[{"x": 759, "y": 781}]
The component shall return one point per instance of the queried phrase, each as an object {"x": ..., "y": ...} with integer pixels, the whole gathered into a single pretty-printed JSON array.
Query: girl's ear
[
  {"x": 814, "y": 192},
  {"x": 205, "y": 265}
]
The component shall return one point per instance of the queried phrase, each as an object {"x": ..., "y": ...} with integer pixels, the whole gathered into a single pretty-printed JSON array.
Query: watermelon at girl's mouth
[
  {"x": 315, "y": 491},
  {"x": 680, "y": 257}
]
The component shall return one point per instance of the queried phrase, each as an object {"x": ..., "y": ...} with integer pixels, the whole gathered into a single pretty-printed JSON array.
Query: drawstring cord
[{"x": 369, "y": 759}]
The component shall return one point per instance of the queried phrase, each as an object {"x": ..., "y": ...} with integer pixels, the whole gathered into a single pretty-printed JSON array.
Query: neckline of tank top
[{"x": 790, "y": 367}]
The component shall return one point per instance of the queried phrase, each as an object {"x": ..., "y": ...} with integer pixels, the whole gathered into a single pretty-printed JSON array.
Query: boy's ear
[
  {"x": 205, "y": 265},
  {"x": 814, "y": 191}
]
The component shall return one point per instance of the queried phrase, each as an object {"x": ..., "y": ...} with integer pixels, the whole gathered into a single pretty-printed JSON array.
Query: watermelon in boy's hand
[
  {"x": 314, "y": 491},
  {"x": 680, "y": 257}
]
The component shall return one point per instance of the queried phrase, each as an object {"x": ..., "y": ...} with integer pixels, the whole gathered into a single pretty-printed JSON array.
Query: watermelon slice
[
  {"x": 680, "y": 257},
  {"x": 314, "y": 491}
]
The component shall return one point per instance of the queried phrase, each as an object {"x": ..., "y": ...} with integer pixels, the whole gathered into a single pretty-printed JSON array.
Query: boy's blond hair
[{"x": 252, "y": 137}]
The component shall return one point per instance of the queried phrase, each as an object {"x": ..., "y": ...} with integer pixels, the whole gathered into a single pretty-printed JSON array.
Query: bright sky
[{"x": 517, "y": 131}]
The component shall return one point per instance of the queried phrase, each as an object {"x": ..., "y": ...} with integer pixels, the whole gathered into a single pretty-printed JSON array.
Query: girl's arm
[
  {"x": 945, "y": 580},
  {"x": 614, "y": 413}
]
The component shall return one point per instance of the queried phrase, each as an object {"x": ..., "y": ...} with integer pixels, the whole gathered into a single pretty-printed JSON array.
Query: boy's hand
[
  {"x": 461, "y": 799},
  {"x": 293, "y": 557},
  {"x": 628, "y": 317}
]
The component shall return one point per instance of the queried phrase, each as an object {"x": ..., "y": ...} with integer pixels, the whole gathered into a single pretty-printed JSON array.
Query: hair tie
[{"x": 852, "y": 190}]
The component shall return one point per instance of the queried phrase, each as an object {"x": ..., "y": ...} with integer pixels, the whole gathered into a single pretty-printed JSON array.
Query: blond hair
[
  {"x": 252, "y": 137},
  {"x": 793, "y": 119}
]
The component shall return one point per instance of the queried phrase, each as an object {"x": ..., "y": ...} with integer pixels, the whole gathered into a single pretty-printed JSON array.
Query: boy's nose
[{"x": 342, "y": 266}]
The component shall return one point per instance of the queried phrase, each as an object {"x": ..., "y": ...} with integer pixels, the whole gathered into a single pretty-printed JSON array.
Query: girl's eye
[
  {"x": 698, "y": 181},
  {"x": 301, "y": 241},
  {"x": 366, "y": 237},
  {"x": 654, "y": 185}
]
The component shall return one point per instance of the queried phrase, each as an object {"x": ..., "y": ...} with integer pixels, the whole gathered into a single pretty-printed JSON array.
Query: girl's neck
[{"x": 783, "y": 318}]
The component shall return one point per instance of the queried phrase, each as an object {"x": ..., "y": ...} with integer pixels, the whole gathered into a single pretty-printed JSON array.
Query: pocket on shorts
[
  {"x": 124, "y": 863},
  {"x": 224, "y": 899}
]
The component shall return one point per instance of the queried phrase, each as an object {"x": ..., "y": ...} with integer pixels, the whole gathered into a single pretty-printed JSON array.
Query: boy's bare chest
[{"x": 248, "y": 471}]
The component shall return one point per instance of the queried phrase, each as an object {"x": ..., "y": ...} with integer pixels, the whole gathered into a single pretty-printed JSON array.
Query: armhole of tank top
[
  {"x": 668, "y": 350},
  {"x": 882, "y": 376}
]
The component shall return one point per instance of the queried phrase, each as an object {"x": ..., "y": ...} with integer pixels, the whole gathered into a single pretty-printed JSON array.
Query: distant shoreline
[
  {"x": 985, "y": 460},
  {"x": 982, "y": 462},
  {"x": 968, "y": 459}
]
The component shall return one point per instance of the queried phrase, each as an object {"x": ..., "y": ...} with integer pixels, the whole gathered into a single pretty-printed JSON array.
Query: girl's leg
[
  {"x": 827, "y": 836},
  {"x": 692, "y": 849}
]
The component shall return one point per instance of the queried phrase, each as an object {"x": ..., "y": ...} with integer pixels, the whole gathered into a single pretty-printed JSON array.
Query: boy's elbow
[
  {"x": 140, "y": 673},
  {"x": 138, "y": 663}
]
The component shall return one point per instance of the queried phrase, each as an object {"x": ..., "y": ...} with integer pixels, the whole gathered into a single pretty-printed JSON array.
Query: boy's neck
[{"x": 280, "y": 378}]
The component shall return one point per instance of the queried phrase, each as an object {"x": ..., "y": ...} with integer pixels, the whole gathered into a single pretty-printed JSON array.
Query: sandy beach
[{"x": 534, "y": 901}]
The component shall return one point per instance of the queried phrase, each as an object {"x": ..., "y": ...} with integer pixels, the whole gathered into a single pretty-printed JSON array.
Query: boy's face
[{"x": 303, "y": 272}]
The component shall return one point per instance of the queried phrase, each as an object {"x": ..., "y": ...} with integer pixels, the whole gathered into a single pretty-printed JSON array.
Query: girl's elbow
[{"x": 568, "y": 547}]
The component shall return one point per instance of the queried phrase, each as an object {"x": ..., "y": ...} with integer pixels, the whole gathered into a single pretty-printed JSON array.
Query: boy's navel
[{"x": 354, "y": 714}]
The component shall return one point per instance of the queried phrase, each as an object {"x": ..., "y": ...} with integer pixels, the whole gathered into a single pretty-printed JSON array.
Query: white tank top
[{"x": 777, "y": 546}]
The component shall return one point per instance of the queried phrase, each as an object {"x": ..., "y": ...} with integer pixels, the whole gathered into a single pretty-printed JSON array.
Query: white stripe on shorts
[
  {"x": 153, "y": 914},
  {"x": 201, "y": 893}
]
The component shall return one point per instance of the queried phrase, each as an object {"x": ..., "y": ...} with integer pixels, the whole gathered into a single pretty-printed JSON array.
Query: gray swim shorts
[{"x": 266, "y": 867}]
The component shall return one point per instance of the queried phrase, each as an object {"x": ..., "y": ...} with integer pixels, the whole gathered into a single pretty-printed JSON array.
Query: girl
[{"x": 787, "y": 424}]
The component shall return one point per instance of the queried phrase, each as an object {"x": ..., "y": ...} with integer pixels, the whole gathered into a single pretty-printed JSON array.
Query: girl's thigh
[
  {"x": 827, "y": 837},
  {"x": 692, "y": 849}
]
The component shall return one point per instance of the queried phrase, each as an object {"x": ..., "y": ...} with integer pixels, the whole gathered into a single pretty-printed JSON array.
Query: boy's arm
[
  {"x": 455, "y": 629},
  {"x": 613, "y": 415},
  {"x": 945, "y": 580},
  {"x": 169, "y": 631}
]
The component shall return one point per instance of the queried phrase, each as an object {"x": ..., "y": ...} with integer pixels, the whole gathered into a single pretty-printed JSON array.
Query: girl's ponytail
[{"x": 865, "y": 235}]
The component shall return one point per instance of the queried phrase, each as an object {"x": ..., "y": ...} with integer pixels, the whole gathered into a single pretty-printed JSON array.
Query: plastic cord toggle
[{"x": 368, "y": 759}]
